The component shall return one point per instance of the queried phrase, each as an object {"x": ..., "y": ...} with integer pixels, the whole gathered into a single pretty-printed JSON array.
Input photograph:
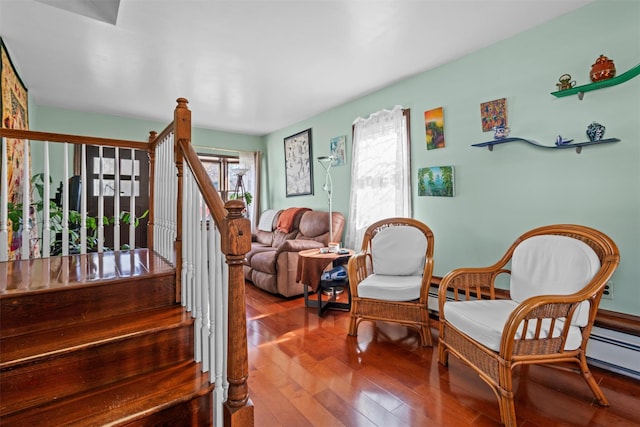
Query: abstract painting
[
  {"x": 434, "y": 128},
  {"x": 338, "y": 151},
  {"x": 15, "y": 116},
  {"x": 298, "y": 165},
  {"x": 493, "y": 113}
]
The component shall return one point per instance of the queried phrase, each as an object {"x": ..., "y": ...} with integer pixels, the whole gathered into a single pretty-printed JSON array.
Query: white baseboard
[{"x": 614, "y": 351}]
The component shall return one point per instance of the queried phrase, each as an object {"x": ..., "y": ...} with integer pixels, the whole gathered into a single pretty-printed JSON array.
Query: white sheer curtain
[
  {"x": 251, "y": 161},
  {"x": 380, "y": 172}
]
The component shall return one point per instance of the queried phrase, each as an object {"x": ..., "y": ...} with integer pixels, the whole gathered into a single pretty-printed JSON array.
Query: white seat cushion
[
  {"x": 399, "y": 251},
  {"x": 484, "y": 320},
  {"x": 390, "y": 288},
  {"x": 553, "y": 265}
]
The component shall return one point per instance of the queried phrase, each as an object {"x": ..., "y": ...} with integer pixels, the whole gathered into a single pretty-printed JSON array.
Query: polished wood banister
[
  {"x": 209, "y": 193},
  {"x": 155, "y": 138},
  {"x": 73, "y": 139},
  {"x": 235, "y": 234}
]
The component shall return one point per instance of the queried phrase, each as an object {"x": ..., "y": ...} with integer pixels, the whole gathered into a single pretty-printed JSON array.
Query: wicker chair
[
  {"x": 557, "y": 276},
  {"x": 389, "y": 278}
]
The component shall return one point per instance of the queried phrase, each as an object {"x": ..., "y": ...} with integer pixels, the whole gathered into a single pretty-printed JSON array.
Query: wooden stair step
[
  {"x": 46, "y": 293},
  {"x": 179, "y": 395},
  {"x": 49, "y": 365},
  {"x": 46, "y": 344}
]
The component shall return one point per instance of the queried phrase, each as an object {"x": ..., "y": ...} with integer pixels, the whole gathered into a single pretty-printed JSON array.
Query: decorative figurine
[
  {"x": 562, "y": 141},
  {"x": 565, "y": 82},
  {"x": 602, "y": 69},
  {"x": 595, "y": 131},
  {"x": 501, "y": 132}
]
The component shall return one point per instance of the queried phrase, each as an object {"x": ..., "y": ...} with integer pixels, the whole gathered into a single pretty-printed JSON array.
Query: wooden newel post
[
  {"x": 182, "y": 135},
  {"x": 235, "y": 236},
  {"x": 151, "y": 152}
]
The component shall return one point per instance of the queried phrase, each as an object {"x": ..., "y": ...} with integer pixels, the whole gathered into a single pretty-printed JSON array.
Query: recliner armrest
[{"x": 296, "y": 245}]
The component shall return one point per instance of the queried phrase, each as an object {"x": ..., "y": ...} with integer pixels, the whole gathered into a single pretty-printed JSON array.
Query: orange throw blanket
[{"x": 285, "y": 221}]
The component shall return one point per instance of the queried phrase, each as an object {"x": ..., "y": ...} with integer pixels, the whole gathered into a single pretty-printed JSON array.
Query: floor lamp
[{"x": 326, "y": 162}]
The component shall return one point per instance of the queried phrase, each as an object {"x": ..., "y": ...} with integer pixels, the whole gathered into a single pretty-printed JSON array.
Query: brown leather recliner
[{"x": 272, "y": 262}]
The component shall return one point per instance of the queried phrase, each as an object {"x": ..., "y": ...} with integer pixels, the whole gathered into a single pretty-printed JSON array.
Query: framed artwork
[
  {"x": 436, "y": 181},
  {"x": 298, "y": 165},
  {"x": 13, "y": 104},
  {"x": 434, "y": 128},
  {"x": 493, "y": 113},
  {"x": 338, "y": 151}
]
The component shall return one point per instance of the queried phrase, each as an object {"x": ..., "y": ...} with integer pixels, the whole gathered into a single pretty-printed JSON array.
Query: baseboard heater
[{"x": 614, "y": 351}]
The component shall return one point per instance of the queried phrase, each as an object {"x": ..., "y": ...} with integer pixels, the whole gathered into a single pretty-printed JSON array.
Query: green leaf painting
[{"x": 436, "y": 181}]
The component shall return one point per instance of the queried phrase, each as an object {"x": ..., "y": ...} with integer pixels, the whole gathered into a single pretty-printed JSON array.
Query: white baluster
[
  {"x": 65, "y": 201},
  {"x": 204, "y": 286},
  {"x": 83, "y": 201},
  {"x": 100, "y": 200},
  {"x": 215, "y": 363},
  {"x": 46, "y": 207},
  {"x": 223, "y": 306},
  {"x": 116, "y": 201},
  {"x": 132, "y": 203},
  {"x": 26, "y": 204},
  {"x": 4, "y": 209},
  {"x": 186, "y": 260}
]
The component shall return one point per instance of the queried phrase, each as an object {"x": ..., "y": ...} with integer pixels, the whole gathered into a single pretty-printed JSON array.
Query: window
[
  {"x": 220, "y": 171},
  {"x": 380, "y": 171}
]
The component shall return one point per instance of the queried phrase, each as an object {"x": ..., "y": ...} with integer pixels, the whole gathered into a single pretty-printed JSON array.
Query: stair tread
[
  {"x": 121, "y": 402},
  {"x": 39, "y": 345},
  {"x": 93, "y": 269}
]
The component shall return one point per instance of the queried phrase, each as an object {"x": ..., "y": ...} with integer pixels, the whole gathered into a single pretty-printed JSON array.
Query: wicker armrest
[
  {"x": 468, "y": 283},
  {"x": 358, "y": 270},
  {"x": 530, "y": 314}
]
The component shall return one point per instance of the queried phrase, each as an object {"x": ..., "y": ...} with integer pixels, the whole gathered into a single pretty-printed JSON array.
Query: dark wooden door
[{"x": 140, "y": 186}]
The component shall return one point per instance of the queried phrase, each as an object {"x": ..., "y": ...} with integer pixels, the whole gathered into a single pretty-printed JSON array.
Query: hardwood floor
[{"x": 305, "y": 371}]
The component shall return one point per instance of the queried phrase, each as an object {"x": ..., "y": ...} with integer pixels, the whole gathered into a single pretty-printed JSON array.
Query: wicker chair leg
[
  {"x": 507, "y": 411},
  {"x": 425, "y": 336},
  {"x": 505, "y": 395},
  {"x": 443, "y": 354},
  {"x": 591, "y": 382},
  {"x": 353, "y": 326}
]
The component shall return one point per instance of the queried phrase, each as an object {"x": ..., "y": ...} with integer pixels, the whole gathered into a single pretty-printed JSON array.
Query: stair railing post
[
  {"x": 152, "y": 190},
  {"x": 182, "y": 132},
  {"x": 235, "y": 242}
]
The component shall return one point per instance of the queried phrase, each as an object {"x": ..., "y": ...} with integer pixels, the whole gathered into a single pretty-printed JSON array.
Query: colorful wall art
[
  {"x": 434, "y": 128},
  {"x": 15, "y": 116},
  {"x": 493, "y": 113},
  {"x": 436, "y": 181},
  {"x": 337, "y": 147}
]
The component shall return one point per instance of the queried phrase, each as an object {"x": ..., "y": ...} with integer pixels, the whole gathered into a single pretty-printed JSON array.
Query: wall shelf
[
  {"x": 580, "y": 90},
  {"x": 578, "y": 146}
]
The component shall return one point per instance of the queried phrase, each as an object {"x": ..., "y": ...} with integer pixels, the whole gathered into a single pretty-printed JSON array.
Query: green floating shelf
[
  {"x": 580, "y": 90},
  {"x": 578, "y": 146}
]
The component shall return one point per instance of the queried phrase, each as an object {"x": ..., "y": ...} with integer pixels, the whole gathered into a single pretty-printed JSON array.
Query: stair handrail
[
  {"x": 72, "y": 139},
  {"x": 235, "y": 234},
  {"x": 52, "y": 137}
]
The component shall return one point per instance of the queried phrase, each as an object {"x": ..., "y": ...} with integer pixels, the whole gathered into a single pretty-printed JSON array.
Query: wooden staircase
[{"x": 96, "y": 340}]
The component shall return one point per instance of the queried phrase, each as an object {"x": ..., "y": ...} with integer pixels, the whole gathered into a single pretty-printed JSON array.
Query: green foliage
[
  {"x": 248, "y": 198},
  {"x": 75, "y": 220}
]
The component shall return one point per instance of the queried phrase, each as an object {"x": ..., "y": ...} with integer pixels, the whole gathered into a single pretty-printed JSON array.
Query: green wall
[{"x": 503, "y": 193}]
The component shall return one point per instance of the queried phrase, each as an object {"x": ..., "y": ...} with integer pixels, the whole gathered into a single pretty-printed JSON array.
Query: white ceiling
[{"x": 245, "y": 66}]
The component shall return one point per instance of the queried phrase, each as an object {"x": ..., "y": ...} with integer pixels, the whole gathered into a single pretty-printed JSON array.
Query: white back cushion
[
  {"x": 399, "y": 251},
  {"x": 266, "y": 220},
  {"x": 553, "y": 265}
]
